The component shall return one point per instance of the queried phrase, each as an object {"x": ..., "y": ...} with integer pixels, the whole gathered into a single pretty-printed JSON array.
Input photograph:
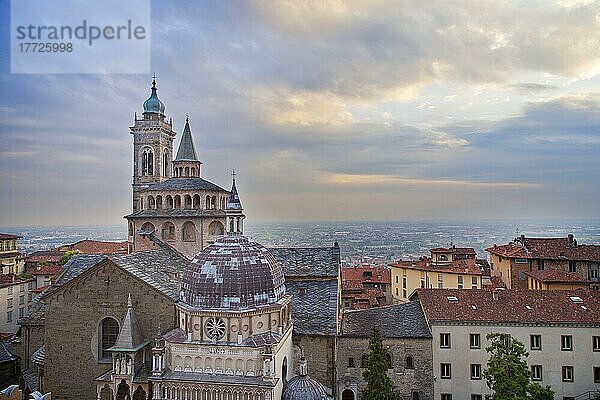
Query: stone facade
[
  {"x": 77, "y": 309},
  {"x": 320, "y": 350},
  {"x": 408, "y": 380}
]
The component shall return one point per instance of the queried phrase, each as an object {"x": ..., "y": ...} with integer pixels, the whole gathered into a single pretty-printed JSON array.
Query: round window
[{"x": 215, "y": 328}]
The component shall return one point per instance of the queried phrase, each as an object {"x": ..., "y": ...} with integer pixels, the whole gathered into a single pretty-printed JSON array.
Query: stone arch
[
  {"x": 250, "y": 367},
  {"x": 284, "y": 369},
  {"x": 123, "y": 391},
  {"x": 208, "y": 205},
  {"x": 196, "y": 202},
  {"x": 177, "y": 201},
  {"x": 410, "y": 362},
  {"x": 151, "y": 202},
  {"x": 208, "y": 364},
  {"x": 168, "y": 231},
  {"x": 198, "y": 364},
  {"x": 229, "y": 366},
  {"x": 213, "y": 202},
  {"x": 147, "y": 164},
  {"x": 187, "y": 363},
  {"x": 187, "y": 171},
  {"x": 159, "y": 202},
  {"x": 187, "y": 201},
  {"x": 169, "y": 201},
  {"x": 106, "y": 393},
  {"x": 348, "y": 394},
  {"x": 188, "y": 232},
  {"x": 216, "y": 228},
  {"x": 147, "y": 227},
  {"x": 178, "y": 362},
  {"x": 193, "y": 171},
  {"x": 219, "y": 365},
  {"x": 222, "y": 203},
  {"x": 139, "y": 394}
]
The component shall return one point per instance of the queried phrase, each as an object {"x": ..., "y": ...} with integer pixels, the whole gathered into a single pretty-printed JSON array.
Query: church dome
[
  {"x": 233, "y": 274},
  {"x": 303, "y": 387},
  {"x": 153, "y": 104}
]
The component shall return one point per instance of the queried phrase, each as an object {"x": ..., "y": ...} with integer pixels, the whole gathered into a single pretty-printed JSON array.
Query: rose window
[{"x": 215, "y": 328}]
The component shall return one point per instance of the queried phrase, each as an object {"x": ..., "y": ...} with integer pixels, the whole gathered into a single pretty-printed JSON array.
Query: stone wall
[
  {"x": 73, "y": 316},
  {"x": 320, "y": 353},
  {"x": 407, "y": 380}
]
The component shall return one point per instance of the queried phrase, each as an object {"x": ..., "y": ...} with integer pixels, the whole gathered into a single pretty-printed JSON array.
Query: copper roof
[{"x": 510, "y": 306}]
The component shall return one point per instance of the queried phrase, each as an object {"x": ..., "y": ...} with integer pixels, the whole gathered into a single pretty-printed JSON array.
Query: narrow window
[
  {"x": 475, "y": 371},
  {"x": 572, "y": 266},
  {"x": 410, "y": 364},
  {"x": 567, "y": 373},
  {"x": 351, "y": 362},
  {"x": 475, "y": 340},
  {"x": 446, "y": 370},
  {"x": 444, "y": 340},
  {"x": 596, "y": 343},
  {"x": 536, "y": 372},
  {"x": 446, "y": 396},
  {"x": 566, "y": 342},
  {"x": 535, "y": 342},
  {"x": 109, "y": 331},
  {"x": 596, "y": 374}
]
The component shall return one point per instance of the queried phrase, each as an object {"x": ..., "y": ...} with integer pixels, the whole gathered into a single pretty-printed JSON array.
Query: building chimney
[{"x": 495, "y": 294}]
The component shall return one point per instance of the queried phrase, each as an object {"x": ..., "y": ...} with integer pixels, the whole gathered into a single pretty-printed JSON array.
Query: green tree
[
  {"x": 65, "y": 259},
  {"x": 379, "y": 384},
  {"x": 507, "y": 374}
]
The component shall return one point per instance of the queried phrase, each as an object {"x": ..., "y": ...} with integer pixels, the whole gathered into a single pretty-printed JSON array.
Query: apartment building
[{"x": 560, "y": 330}]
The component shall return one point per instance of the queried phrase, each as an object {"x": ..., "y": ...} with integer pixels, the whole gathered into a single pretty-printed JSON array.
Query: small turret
[
  {"x": 153, "y": 104},
  {"x": 234, "y": 211}
]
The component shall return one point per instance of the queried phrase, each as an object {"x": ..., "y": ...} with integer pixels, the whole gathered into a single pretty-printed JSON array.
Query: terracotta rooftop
[
  {"x": 547, "y": 248},
  {"x": 97, "y": 247},
  {"x": 550, "y": 275},
  {"x": 40, "y": 289},
  {"x": 50, "y": 256},
  {"x": 377, "y": 274},
  {"x": 424, "y": 264},
  {"x": 510, "y": 306},
  {"x": 47, "y": 270},
  {"x": 9, "y": 236},
  {"x": 455, "y": 250}
]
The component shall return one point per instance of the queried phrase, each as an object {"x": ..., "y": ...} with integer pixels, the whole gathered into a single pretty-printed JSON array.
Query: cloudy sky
[{"x": 329, "y": 110}]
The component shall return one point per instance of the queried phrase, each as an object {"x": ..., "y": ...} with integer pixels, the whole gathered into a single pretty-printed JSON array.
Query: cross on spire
[
  {"x": 154, "y": 80},
  {"x": 233, "y": 174}
]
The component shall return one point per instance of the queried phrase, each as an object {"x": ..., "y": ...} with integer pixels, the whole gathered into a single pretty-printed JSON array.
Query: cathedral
[{"x": 196, "y": 310}]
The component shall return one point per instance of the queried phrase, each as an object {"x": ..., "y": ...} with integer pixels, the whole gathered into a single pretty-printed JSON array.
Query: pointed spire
[
  {"x": 234, "y": 202},
  {"x": 187, "y": 150},
  {"x": 130, "y": 335},
  {"x": 303, "y": 366}
]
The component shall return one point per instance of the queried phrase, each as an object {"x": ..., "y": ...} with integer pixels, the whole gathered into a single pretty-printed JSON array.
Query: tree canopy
[
  {"x": 379, "y": 384},
  {"x": 507, "y": 374}
]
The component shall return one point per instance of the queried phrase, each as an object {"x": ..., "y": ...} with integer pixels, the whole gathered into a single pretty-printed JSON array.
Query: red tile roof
[
  {"x": 455, "y": 250},
  {"x": 381, "y": 275},
  {"x": 40, "y": 289},
  {"x": 49, "y": 256},
  {"x": 424, "y": 264},
  {"x": 97, "y": 247},
  {"x": 9, "y": 236},
  {"x": 547, "y": 248},
  {"x": 551, "y": 275},
  {"x": 516, "y": 306},
  {"x": 48, "y": 270}
]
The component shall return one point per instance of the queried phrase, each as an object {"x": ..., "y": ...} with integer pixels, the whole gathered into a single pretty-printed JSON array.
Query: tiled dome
[
  {"x": 232, "y": 274},
  {"x": 303, "y": 387}
]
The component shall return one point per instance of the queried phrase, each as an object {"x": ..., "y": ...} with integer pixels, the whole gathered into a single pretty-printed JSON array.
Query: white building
[{"x": 560, "y": 330}]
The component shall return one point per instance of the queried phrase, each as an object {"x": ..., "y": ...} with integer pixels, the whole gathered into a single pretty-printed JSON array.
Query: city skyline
[{"x": 329, "y": 111}]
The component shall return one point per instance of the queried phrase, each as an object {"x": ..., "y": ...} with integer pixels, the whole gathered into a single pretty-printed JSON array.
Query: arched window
[
  {"x": 347, "y": 395},
  {"x": 169, "y": 201},
  {"x": 208, "y": 206},
  {"x": 216, "y": 228},
  {"x": 389, "y": 360},
  {"x": 442, "y": 257},
  {"x": 148, "y": 227},
  {"x": 410, "y": 364},
  {"x": 159, "y": 202},
  {"x": 147, "y": 162},
  {"x": 213, "y": 202},
  {"x": 177, "y": 201},
  {"x": 188, "y": 232},
  {"x": 168, "y": 231},
  {"x": 151, "y": 202},
  {"x": 196, "y": 201},
  {"x": 187, "y": 200},
  {"x": 187, "y": 171},
  {"x": 109, "y": 331},
  {"x": 193, "y": 171},
  {"x": 284, "y": 368},
  {"x": 166, "y": 163}
]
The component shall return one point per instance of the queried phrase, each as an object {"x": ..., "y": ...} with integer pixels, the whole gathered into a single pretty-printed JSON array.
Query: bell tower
[{"x": 153, "y": 139}]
